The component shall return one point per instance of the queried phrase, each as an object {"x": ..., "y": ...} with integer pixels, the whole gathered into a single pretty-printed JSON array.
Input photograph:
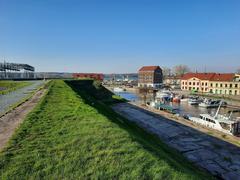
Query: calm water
[{"x": 184, "y": 107}]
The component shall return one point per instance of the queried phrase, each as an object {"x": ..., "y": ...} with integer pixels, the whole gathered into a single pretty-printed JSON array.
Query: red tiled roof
[
  {"x": 149, "y": 68},
  {"x": 209, "y": 76},
  {"x": 97, "y": 76},
  {"x": 223, "y": 77}
]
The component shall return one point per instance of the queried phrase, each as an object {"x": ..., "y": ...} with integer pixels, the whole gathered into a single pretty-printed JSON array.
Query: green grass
[
  {"x": 74, "y": 134},
  {"x": 9, "y": 86}
]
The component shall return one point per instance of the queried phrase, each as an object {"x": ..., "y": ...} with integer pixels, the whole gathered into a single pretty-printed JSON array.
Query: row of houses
[{"x": 216, "y": 83}]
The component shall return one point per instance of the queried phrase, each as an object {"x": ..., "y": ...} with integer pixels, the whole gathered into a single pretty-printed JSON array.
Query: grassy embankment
[
  {"x": 9, "y": 86},
  {"x": 74, "y": 134}
]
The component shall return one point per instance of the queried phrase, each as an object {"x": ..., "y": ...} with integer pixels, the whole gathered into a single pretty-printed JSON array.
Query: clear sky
[{"x": 120, "y": 35}]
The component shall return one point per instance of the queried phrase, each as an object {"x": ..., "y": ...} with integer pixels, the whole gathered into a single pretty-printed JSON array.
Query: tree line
[{"x": 180, "y": 70}]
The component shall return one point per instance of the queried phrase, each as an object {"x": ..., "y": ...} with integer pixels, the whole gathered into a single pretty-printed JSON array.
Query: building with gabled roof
[
  {"x": 150, "y": 77},
  {"x": 217, "y": 83}
]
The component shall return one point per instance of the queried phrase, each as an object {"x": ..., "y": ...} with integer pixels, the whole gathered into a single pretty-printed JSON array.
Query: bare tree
[
  {"x": 238, "y": 71},
  {"x": 166, "y": 71},
  {"x": 181, "y": 69}
]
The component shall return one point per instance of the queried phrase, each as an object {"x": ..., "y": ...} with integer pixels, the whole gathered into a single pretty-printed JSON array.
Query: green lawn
[
  {"x": 73, "y": 134},
  {"x": 9, "y": 86}
]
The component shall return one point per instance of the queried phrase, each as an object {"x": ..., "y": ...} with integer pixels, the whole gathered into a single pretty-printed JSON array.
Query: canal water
[{"x": 183, "y": 108}]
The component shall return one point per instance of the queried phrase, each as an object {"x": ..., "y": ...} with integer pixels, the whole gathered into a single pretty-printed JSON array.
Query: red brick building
[
  {"x": 95, "y": 76},
  {"x": 150, "y": 76}
]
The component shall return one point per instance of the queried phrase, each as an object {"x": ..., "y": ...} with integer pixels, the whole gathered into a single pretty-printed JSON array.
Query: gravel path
[
  {"x": 14, "y": 97},
  {"x": 220, "y": 158}
]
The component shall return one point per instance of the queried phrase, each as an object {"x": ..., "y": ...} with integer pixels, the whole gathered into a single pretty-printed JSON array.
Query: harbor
[{"x": 184, "y": 108}]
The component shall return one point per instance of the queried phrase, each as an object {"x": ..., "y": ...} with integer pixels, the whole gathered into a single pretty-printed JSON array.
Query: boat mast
[{"x": 218, "y": 109}]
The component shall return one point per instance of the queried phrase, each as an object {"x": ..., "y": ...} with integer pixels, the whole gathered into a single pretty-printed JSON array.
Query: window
[
  {"x": 202, "y": 84},
  {"x": 194, "y": 83},
  {"x": 225, "y": 85},
  {"x": 236, "y": 85},
  {"x": 216, "y": 91},
  {"x": 190, "y": 83},
  {"x": 211, "y": 84},
  {"x": 235, "y": 92},
  {"x": 205, "y": 89},
  {"x": 221, "y": 85},
  {"x": 185, "y": 83},
  {"x": 205, "y": 84},
  {"x": 230, "y": 92},
  {"x": 202, "y": 89},
  {"x": 230, "y": 85},
  {"x": 189, "y": 88},
  {"x": 216, "y": 84},
  {"x": 198, "y": 83}
]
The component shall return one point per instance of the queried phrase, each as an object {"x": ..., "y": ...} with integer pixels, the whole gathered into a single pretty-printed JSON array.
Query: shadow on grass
[{"x": 100, "y": 98}]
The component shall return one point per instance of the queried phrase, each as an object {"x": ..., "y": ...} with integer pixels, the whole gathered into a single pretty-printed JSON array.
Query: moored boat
[
  {"x": 194, "y": 101},
  {"x": 118, "y": 89},
  {"x": 219, "y": 122},
  {"x": 208, "y": 103}
]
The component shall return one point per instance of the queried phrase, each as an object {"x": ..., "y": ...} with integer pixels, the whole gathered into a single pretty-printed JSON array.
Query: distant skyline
[{"x": 111, "y": 36}]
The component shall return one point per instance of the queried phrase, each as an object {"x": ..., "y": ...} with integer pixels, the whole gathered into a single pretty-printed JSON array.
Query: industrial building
[{"x": 16, "y": 71}]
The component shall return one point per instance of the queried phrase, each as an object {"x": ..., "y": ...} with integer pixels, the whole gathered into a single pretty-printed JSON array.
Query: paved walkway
[
  {"x": 14, "y": 118},
  {"x": 14, "y": 97},
  {"x": 220, "y": 158}
]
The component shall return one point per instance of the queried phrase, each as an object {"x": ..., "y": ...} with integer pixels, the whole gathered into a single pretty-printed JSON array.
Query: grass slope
[
  {"x": 9, "y": 86},
  {"x": 73, "y": 135}
]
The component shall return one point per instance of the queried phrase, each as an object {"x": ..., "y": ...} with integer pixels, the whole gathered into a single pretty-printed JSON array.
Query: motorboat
[
  {"x": 184, "y": 100},
  {"x": 194, "y": 101},
  {"x": 209, "y": 103},
  {"x": 118, "y": 89},
  {"x": 219, "y": 122},
  {"x": 164, "y": 95},
  {"x": 176, "y": 99}
]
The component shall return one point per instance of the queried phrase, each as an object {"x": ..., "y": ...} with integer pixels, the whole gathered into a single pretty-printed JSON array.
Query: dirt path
[{"x": 12, "y": 120}]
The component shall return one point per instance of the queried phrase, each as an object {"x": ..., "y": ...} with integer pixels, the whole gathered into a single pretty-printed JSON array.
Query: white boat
[
  {"x": 164, "y": 94},
  {"x": 184, "y": 100},
  {"x": 218, "y": 122},
  {"x": 208, "y": 103},
  {"x": 118, "y": 89},
  {"x": 193, "y": 101}
]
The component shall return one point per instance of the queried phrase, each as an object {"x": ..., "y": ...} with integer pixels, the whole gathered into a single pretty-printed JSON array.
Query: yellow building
[{"x": 227, "y": 84}]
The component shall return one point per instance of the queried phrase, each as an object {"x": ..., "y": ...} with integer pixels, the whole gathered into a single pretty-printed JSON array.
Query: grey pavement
[
  {"x": 220, "y": 158},
  {"x": 16, "y": 96}
]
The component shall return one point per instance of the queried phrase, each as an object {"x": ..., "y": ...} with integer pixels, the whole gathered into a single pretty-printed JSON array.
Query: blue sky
[{"x": 120, "y": 35}]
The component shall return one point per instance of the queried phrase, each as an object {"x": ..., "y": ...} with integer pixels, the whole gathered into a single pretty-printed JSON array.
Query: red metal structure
[{"x": 95, "y": 76}]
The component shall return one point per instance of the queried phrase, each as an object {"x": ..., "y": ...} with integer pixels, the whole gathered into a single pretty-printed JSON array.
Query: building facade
[
  {"x": 150, "y": 77},
  {"x": 95, "y": 76},
  {"x": 215, "y": 83}
]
